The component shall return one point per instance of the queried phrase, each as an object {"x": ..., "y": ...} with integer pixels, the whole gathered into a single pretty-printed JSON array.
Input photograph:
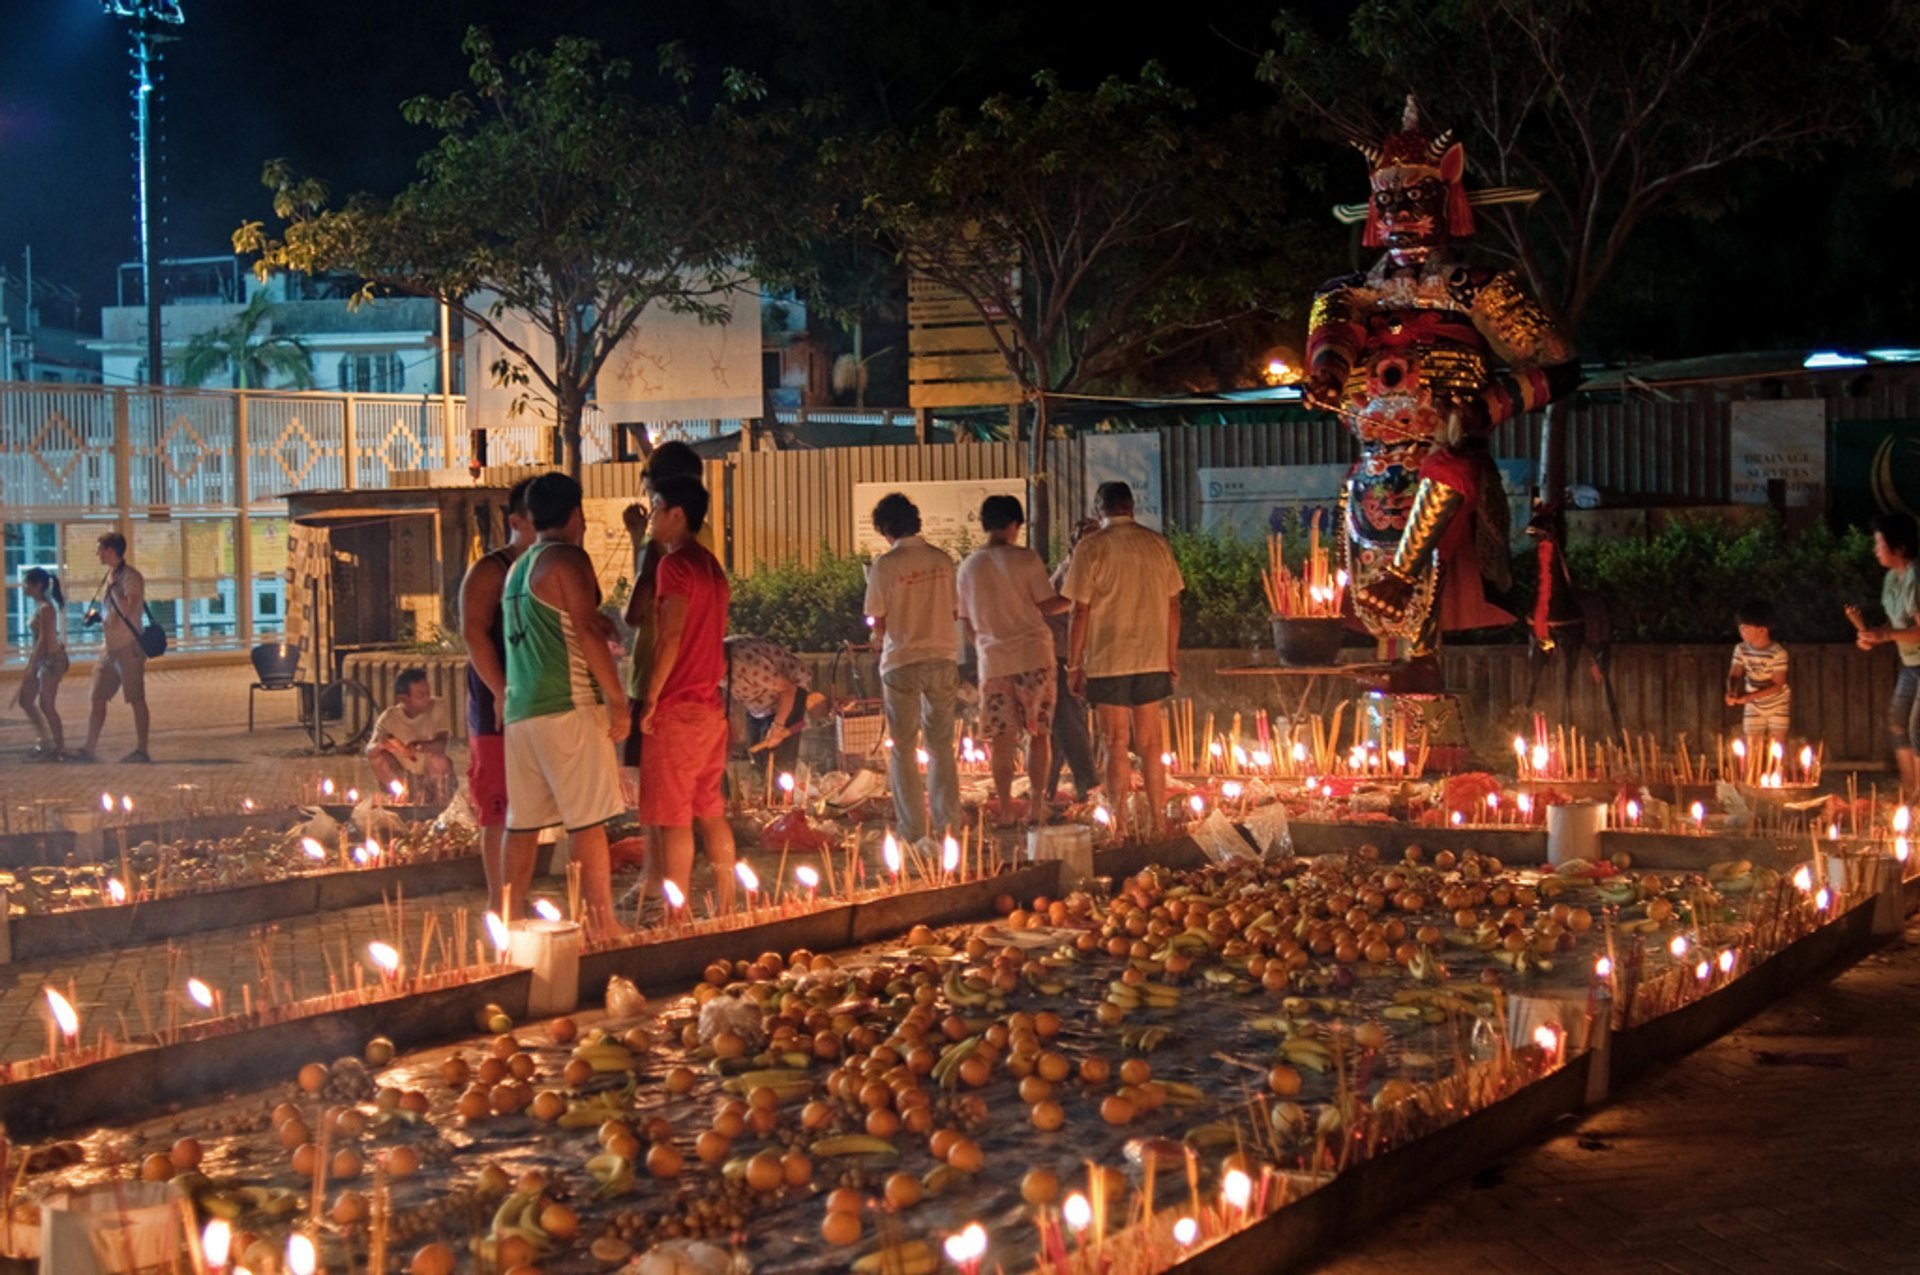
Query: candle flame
[
  {"x": 301, "y": 1258},
  {"x": 326, "y": 787},
  {"x": 1236, "y": 1189},
  {"x": 1740, "y": 749},
  {"x": 361, "y": 857},
  {"x": 1603, "y": 967},
  {"x": 383, "y": 955},
  {"x": 1102, "y": 817},
  {"x": 1520, "y": 748},
  {"x": 545, "y": 910},
  {"x": 497, "y": 931},
  {"x": 1231, "y": 790},
  {"x": 1493, "y": 801},
  {"x": 115, "y": 890},
  {"x": 1633, "y": 811},
  {"x": 395, "y": 787},
  {"x": 920, "y": 755},
  {"x": 1540, "y": 757},
  {"x": 1803, "y": 878},
  {"x": 1821, "y": 899},
  {"x": 1833, "y": 832},
  {"x": 1076, "y": 1212},
  {"x": 1902, "y": 820},
  {"x": 1726, "y": 961},
  {"x": 1215, "y": 750},
  {"x": 1698, "y": 811},
  {"x": 353, "y": 795},
  {"x": 106, "y": 802},
  {"x": 1398, "y": 757},
  {"x": 806, "y": 876},
  {"x": 786, "y": 782},
  {"x": 748, "y": 877},
  {"x": 246, "y": 804},
  {"x": 202, "y": 994},
  {"x": 1457, "y": 819},
  {"x": 1197, "y": 804},
  {"x": 1775, "y": 751},
  {"x": 216, "y": 1242},
  {"x": 1806, "y": 757},
  {"x": 1262, "y": 758},
  {"x": 126, "y": 804},
  {"x": 1678, "y": 946},
  {"x": 64, "y": 1014},
  {"x": 949, "y": 853},
  {"x": 1166, "y": 759},
  {"x": 1901, "y": 849},
  {"x": 1525, "y": 802},
  {"x": 1239, "y": 755},
  {"x": 374, "y": 849},
  {"x": 675, "y": 899},
  {"x": 1704, "y": 970},
  {"x": 1299, "y": 751},
  {"x": 890, "y": 851},
  {"x": 313, "y": 849},
  {"x": 1185, "y": 1232},
  {"x": 1547, "y": 1036},
  {"x": 967, "y": 1247}
]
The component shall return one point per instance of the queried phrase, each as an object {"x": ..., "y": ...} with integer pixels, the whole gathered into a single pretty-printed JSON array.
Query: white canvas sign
[
  {"x": 1784, "y": 439},
  {"x": 949, "y": 511},
  {"x": 1253, "y": 501},
  {"x": 1133, "y": 459}
]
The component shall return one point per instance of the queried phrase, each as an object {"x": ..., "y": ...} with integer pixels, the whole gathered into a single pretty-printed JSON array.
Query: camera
[{"x": 92, "y": 617}]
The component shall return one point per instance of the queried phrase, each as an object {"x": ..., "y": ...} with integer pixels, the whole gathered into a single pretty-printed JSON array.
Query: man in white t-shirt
[
  {"x": 1005, "y": 598},
  {"x": 910, "y": 604},
  {"x": 409, "y": 742},
  {"x": 1123, "y": 643}
]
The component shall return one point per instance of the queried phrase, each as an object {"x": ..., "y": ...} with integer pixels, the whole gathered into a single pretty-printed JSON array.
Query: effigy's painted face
[{"x": 1411, "y": 210}]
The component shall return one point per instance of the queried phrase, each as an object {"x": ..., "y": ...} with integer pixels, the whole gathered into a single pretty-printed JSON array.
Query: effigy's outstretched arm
[
  {"x": 1335, "y": 337},
  {"x": 1540, "y": 362}
]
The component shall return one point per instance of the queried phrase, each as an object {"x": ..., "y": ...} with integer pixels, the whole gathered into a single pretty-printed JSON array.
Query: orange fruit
[
  {"x": 1283, "y": 1080},
  {"x": 965, "y": 1155},
  {"x": 1095, "y": 1071},
  {"x": 1116, "y": 1110},
  {"x": 1040, "y": 1186},
  {"x": 1047, "y": 1115},
  {"x": 664, "y": 1160},
  {"x": 841, "y": 1229},
  {"x": 1135, "y": 1071},
  {"x": 711, "y": 1147},
  {"x": 903, "y": 1190},
  {"x": 764, "y": 1172},
  {"x": 844, "y": 1199}
]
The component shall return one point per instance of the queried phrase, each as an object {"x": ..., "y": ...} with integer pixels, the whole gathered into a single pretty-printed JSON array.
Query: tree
[
  {"x": 248, "y": 350},
  {"x": 561, "y": 197},
  {"x": 1617, "y": 112},
  {"x": 1087, "y": 229}
]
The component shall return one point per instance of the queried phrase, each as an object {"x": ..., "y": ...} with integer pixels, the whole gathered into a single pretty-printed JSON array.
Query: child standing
[
  {"x": 1758, "y": 679},
  {"x": 46, "y": 664}
]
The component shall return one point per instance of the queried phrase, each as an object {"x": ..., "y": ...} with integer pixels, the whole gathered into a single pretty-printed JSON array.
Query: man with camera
[{"x": 123, "y": 662}]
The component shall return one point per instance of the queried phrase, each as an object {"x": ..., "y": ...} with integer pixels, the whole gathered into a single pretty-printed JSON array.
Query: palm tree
[{"x": 249, "y": 350}]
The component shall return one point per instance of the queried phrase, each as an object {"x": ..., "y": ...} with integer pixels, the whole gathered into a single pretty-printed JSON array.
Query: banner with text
[
  {"x": 949, "y": 511},
  {"x": 1252, "y": 502},
  {"x": 1133, "y": 459},
  {"x": 1784, "y": 439}
]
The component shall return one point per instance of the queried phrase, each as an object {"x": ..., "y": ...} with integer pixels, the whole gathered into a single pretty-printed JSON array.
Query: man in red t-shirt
[{"x": 684, "y": 719}]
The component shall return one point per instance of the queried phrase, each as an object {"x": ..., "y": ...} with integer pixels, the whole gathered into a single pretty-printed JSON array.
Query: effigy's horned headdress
[{"x": 1412, "y": 155}]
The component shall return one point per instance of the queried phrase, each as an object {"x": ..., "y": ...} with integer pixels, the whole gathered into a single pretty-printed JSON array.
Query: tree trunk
[
  {"x": 1039, "y": 484},
  {"x": 1552, "y": 471},
  {"x": 571, "y": 406}
]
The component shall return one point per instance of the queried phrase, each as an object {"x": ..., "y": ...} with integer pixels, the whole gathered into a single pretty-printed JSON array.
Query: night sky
[{"x": 320, "y": 83}]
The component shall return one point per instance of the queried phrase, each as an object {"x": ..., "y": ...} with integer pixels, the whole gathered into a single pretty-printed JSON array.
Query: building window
[{"x": 372, "y": 374}]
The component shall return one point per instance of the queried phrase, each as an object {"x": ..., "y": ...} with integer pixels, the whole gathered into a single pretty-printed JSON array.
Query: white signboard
[
  {"x": 1133, "y": 459},
  {"x": 949, "y": 511},
  {"x": 1785, "y": 439},
  {"x": 1251, "y": 502},
  {"x": 670, "y": 367}
]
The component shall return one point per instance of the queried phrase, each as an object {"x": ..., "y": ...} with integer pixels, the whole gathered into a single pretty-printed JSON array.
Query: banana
[
  {"x": 1219, "y": 976},
  {"x": 1729, "y": 868},
  {"x": 935, "y": 951},
  {"x": 946, "y": 1071},
  {"x": 911, "y": 1257},
  {"x": 589, "y": 1113},
  {"x": 613, "y": 1174},
  {"x": 606, "y": 1056},
  {"x": 853, "y": 1144},
  {"x": 963, "y": 992},
  {"x": 1206, "y": 1137},
  {"x": 789, "y": 1083},
  {"x": 1402, "y": 1013},
  {"x": 1612, "y": 891},
  {"x": 1182, "y": 1094},
  {"x": 221, "y": 1202},
  {"x": 942, "y": 1178}
]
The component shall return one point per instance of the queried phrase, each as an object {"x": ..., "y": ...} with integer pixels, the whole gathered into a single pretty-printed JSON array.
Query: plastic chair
[{"x": 277, "y": 666}]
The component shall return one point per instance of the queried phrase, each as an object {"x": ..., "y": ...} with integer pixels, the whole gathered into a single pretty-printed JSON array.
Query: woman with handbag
[
  {"x": 123, "y": 660},
  {"x": 46, "y": 665}
]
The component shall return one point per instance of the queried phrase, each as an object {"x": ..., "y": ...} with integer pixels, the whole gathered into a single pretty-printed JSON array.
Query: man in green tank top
[{"x": 565, "y": 707}]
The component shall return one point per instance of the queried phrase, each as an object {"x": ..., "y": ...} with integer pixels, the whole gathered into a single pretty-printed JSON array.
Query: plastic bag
[
  {"x": 731, "y": 1014},
  {"x": 624, "y": 999},
  {"x": 458, "y": 815},
  {"x": 1219, "y": 840}
]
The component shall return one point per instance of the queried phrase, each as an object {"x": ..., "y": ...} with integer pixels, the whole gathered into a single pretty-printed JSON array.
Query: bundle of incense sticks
[{"x": 1317, "y": 593}]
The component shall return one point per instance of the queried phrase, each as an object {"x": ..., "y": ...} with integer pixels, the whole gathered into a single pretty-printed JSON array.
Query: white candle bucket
[
  {"x": 115, "y": 1229},
  {"x": 552, "y": 950},
  {"x": 1071, "y": 844},
  {"x": 1573, "y": 831}
]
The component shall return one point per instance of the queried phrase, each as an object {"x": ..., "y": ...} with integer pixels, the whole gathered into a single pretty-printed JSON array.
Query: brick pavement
[{"x": 1717, "y": 1164}]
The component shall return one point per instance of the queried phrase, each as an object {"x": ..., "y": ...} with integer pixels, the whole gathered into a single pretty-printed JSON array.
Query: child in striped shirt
[{"x": 1758, "y": 678}]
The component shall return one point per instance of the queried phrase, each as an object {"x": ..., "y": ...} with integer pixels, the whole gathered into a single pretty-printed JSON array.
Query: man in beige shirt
[
  {"x": 123, "y": 664},
  {"x": 1123, "y": 644}
]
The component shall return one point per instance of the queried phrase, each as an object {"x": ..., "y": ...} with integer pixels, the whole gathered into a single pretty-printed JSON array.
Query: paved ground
[{"x": 1721, "y": 1163}]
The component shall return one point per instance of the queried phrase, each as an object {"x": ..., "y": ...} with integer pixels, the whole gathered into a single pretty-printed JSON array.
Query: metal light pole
[{"x": 146, "y": 18}]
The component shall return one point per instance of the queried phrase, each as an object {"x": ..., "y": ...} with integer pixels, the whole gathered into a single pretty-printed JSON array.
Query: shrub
[
  {"x": 804, "y": 608},
  {"x": 1224, "y": 604}
]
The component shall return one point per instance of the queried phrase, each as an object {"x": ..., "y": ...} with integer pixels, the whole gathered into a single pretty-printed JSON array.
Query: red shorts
[
  {"x": 487, "y": 779},
  {"x": 681, "y": 766}
]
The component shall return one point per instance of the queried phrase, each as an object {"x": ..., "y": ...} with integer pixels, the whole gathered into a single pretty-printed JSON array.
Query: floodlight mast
[{"x": 145, "y": 19}]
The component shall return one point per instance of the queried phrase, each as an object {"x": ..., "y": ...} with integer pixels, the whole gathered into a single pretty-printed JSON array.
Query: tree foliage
[
  {"x": 1618, "y": 111},
  {"x": 247, "y": 351},
  {"x": 1090, "y": 229},
  {"x": 554, "y": 193}
]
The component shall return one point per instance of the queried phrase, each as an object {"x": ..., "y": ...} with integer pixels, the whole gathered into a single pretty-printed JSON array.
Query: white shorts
[{"x": 561, "y": 769}]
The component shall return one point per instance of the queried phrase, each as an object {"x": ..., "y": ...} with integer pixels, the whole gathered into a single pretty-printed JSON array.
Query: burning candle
[
  {"x": 1231, "y": 790},
  {"x": 1197, "y": 804},
  {"x": 1539, "y": 758},
  {"x": 1803, "y": 879},
  {"x": 216, "y": 1243},
  {"x": 1678, "y": 946},
  {"x": 749, "y": 881},
  {"x": 115, "y": 890},
  {"x": 65, "y": 1019},
  {"x": 326, "y": 787},
  {"x": 106, "y": 803},
  {"x": 1525, "y": 803},
  {"x": 1493, "y": 807},
  {"x": 1298, "y": 752},
  {"x": 1699, "y": 813},
  {"x": 920, "y": 755},
  {"x": 1166, "y": 759},
  {"x": 1102, "y": 817},
  {"x": 1457, "y": 818},
  {"x": 809, "y": 880},
  {"x": 246, "y": 804},
  {"x": 353, "y": 796},
  {"x": 1185, "y": 1232},
  {"x": 890, "y": 853},
  {"x": 1603, "y": 969},
  {"x": 497, "y": 932},
  {"x": 1520, "y": 755},
  {"x": 1806, "y": 761},
  {"x": 1726, "y": 961},
  {"x": 301, "y": 1258},
  {"x": 1397, "y": 759},
  {"x": 966, "y": 1249},
  {"x": 313, "y": 849},
  {"x": 126, "y": 804},
  {"x": 1236, "y": 1189},
  {"x": 949, "y": 854},
  {"x": 1547, "y": 1037},
  {"x": 397, "y": 788},
  {"x": 671, "y": 892},
  {"x": 200, "y": 993},
  {"x": 1704, "y": 970},
  {"x": 1077, "y": 1213},
  {"x": 546, "y": 910},
  {"x": 1633, "y": 812},
  {"x": 1821, "y": 899},
  {"x": 384, "y": 957},
  {"x": 1263, "y": 759},
  {"x": 786, "y": 787}
]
